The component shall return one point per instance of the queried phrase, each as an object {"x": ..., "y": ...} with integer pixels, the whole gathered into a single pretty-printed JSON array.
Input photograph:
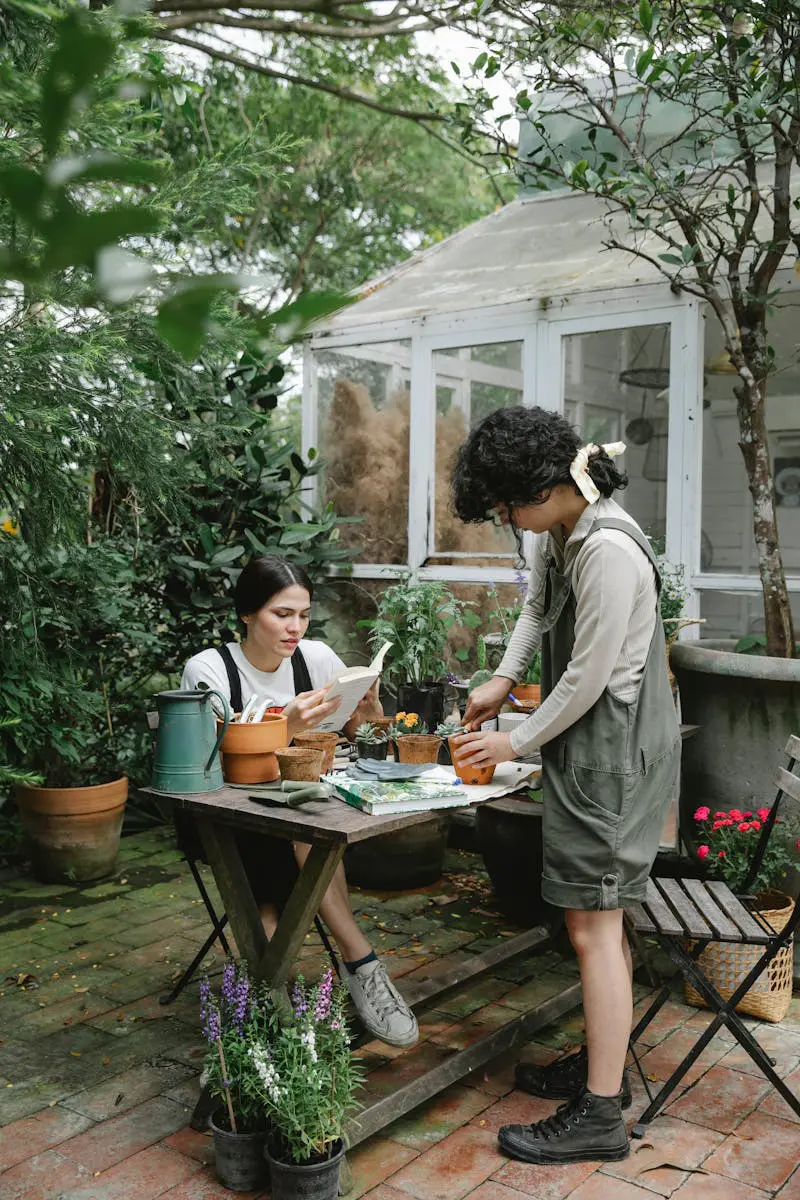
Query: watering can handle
[{"x": 225, "y": 723}]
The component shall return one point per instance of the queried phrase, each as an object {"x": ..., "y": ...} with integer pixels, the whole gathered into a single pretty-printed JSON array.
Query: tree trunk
[{"x": 751, "y": 363}]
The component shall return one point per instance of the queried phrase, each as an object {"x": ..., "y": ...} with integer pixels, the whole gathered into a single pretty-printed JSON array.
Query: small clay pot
[
  {"x": 528, "y": 693},
  {"x": 418, "y": 747},
  {"x": 382, "y": 722},
  {"x": 326, "y": 742},
  {"x": 300, "y": 763},
  {"x": 467, "y": 773},
  {"x": 248, "y": 749}
]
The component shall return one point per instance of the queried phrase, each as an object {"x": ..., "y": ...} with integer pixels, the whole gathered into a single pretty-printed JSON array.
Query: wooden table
[{"x": 330, "y": 827}]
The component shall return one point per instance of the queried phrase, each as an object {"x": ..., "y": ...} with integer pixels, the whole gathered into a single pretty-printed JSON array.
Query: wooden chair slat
[
  {"x": 788, "y": 783},
  {"x": 691, "y": 918},
  {"x": 753, "y": 932},
  {"x": 793, "y": 747},
  {"x": 723, "y": 928},
  {"x": 639, "y": 918},
  {"x": 662, "y": 914}
]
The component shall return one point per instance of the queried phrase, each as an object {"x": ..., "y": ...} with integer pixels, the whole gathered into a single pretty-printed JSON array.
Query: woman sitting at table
[{"x": 273, "y": 602}]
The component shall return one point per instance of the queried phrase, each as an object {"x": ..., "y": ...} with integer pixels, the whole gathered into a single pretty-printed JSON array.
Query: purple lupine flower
[
  {"x": 322, "y": 1006},
  {"x": 210, "y": 1023},
  {"x": 241, "y": 1001},
  {"x": 299, "y": 1002},
  {"x": 227, "y": 990},
  {"x": 522, "y": 583}
]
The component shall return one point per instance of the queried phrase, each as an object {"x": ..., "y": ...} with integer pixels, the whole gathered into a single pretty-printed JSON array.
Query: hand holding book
[{"x": 351, "y": 686}]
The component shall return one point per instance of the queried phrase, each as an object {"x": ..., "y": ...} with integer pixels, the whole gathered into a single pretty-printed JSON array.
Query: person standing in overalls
[{"x": 607, "y": 730}]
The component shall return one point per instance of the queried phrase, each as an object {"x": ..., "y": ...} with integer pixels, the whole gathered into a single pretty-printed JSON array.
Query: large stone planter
[{"x": 746, "y": 706}]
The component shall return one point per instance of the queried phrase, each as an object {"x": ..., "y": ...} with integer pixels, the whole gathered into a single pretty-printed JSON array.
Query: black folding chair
[{"x": 683, "y": 916}]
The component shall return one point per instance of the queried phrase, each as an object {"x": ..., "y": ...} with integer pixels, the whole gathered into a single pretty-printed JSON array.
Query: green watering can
[{"x": 187, "y": 745}]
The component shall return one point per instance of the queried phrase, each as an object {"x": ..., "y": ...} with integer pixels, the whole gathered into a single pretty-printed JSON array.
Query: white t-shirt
[{"x": 278, "y": 686}]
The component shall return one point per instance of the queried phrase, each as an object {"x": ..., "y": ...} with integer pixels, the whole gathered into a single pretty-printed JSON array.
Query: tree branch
[{"x": 299, "y": 80}]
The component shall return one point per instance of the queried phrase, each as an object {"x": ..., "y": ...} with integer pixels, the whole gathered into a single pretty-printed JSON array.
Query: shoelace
[
  {"x": 562, "y": 1120},
  {"x": 381, "y": 995}
]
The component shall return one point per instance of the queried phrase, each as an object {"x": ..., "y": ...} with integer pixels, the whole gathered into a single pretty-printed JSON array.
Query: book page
[{"x": 352, "y": 685}]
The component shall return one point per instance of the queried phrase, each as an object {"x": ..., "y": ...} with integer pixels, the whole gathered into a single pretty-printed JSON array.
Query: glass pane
[
  {"x": 471, "y": 383},
  {"x": 363, "y": 421},
  {"x": 738, "y": 614},
  {"x": 616, "y": 388},
  {"x": 728, "y": 543}
]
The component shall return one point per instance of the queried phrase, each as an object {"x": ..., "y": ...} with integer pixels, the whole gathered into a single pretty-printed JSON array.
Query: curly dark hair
[{"x": 517, "y": 453}]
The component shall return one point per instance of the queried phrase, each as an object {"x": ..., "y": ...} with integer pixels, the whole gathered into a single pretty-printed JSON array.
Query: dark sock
[{"x": 368, "y": 958}]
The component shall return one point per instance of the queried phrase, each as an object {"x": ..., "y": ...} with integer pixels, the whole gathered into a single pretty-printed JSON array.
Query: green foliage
[
  {"x": 500, "y": 627},
  {"x": 405, "y": 723},
  {"x": 365, "y": 188},
  {"x": 478, "y": 677},
  {"x": 416, "y": 618}
]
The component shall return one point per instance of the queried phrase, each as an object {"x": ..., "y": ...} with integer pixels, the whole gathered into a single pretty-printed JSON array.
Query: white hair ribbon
[{"x": 578, "y": 468}]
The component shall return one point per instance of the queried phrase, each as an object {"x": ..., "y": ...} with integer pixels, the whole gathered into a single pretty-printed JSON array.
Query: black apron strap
[
  {"x": 302, "y": 679},
  {"x": 234, "y": 678}
]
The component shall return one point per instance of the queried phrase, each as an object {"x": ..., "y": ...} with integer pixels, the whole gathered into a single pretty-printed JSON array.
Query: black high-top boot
[
  {"x": 563, "y": 1078},
  {"x": 589, "y": 1127}
]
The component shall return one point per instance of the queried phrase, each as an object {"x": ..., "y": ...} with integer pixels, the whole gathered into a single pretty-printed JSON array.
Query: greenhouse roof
[{"x": 535, "y": 248}]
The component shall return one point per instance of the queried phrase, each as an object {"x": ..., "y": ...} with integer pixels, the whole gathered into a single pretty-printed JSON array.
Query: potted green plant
[
  {"x": 726, "y": 841},
  {"x": 371, "y": 741},
  {"x": 76, "y": 698},
  {"x": 232, "y": 1023},
  {"x": 306, "y": 1079},
  {"x": 447, "y": 729},
  {"x": 416, "y": 617}
]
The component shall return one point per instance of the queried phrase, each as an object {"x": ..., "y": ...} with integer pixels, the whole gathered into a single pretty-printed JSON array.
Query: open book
[{"x": 352, "y": 685}]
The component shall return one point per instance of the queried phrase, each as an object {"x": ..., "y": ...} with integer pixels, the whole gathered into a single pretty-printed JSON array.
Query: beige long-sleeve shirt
[{"x": 615, "y": 595}]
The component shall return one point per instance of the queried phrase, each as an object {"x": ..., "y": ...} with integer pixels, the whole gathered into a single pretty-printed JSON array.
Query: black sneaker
[
  {"x": 586, "y": 1129},
  {"x": 563, "y": 1079}
]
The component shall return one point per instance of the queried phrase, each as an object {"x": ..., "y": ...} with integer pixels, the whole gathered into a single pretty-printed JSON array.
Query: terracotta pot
[
  {"x": 327, "y": 742},
  {"x": 74, "y": 832},
  {"x": 301, "y": 763},
  {"x": 248, "y": 750},
  {"x": 382, "y": 722},
  {"x": 528, "y": 693},
  {"x": 418, "y": 748},
  {"x": 467, "y": 773}
]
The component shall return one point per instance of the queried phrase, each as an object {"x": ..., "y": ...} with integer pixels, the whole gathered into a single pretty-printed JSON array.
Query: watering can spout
[{"x": 187, "y": 748}]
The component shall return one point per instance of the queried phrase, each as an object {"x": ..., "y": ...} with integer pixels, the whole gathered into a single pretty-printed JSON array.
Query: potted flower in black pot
[
  {"x": 233, "y": 1022},
  {"x": 417, "y": 617},
  {"x": 371, "y": 742},
  {"x": 306, "y": 1079}
]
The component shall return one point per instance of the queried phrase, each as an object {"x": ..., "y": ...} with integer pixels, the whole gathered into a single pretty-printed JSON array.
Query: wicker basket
[{"x": 726, "y": 963}]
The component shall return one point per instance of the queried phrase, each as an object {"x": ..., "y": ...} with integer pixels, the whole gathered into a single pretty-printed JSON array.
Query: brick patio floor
[{"x": 97, "y": 1080}]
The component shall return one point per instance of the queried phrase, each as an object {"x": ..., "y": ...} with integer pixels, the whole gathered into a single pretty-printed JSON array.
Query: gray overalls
[{"x": 608, "y": 779}]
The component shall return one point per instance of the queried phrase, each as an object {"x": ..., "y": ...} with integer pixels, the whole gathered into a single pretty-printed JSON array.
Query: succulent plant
[
  {"x": 369, "y": 734},
  {"x": 449, "y": 728}
]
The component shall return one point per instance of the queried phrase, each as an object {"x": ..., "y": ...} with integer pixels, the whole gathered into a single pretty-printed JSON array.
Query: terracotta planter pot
[
  {"x": 528, "y": 693},
  {"x": 382, "y": 722},
  {"x": 248, "y": 750},
  {"x": 418, "y": 748},
  {"x": 467, "y": 773},
  {"x": 327, "y": 742},
  {"x": 300, "y": 763},
  {"x": 74, "y": 832}
]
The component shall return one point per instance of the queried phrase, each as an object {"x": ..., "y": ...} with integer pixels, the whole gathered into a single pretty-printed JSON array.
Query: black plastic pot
[
  {"x": 376, "y": 750},
  {"x": 305, "y": 1181},
  {"x": 395, "y": 862},
  {"x": 509, "y": 835},
  {"x": 427, "y": 701},
  {"x": 239, "y": 1157}
]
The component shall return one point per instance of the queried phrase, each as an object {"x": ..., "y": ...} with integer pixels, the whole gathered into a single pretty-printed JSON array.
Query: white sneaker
[{"x": 382, "y": 1009}]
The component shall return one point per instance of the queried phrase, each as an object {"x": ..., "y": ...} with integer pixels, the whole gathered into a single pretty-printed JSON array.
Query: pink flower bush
[{"x": 730, "y": 839}]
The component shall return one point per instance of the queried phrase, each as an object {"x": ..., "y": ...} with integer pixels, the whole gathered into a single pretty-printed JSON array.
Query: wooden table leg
[
  {"x": 277, "y": 957},
  {"x": 222, "y": 853}
]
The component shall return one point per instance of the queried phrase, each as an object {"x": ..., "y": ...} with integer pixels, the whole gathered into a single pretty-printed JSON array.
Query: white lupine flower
[
  {"x": 267, "y": 1073},
  {"x": 310, "y": 1042}
]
